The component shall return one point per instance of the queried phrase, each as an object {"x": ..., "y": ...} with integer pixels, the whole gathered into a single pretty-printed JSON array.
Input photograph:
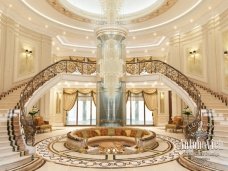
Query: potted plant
[
  {"x": 187, "y": 111},
  {"x": 34, "y": 111}
]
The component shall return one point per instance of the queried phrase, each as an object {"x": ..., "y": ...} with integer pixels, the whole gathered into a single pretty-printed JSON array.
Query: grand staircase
[
  {"x": 219, "y": 110},
  {"x": 12, "y": 147}
]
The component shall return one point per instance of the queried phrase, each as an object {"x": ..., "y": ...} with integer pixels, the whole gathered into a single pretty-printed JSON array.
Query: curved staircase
[
  {"x": 12, "y": 147},
  {"x": 217, "y": 105}
]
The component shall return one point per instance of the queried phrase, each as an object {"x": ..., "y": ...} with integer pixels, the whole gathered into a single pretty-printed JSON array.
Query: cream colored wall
[
  {"x": 210, "y": 42},
  {"x": 14, "y": 39},
  {"x": 176, "y": 105}
]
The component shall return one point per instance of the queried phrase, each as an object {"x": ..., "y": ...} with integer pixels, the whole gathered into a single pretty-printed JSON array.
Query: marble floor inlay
[{"x": 53, "y": 150}]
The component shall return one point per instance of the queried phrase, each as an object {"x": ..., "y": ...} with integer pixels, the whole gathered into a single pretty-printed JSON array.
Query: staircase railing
[
  {"x": 132, "y": 67},
  {"x": 220, "y": 96},
  {"x": 155, "y": 66},
  {"x": 63, "y": 66}
]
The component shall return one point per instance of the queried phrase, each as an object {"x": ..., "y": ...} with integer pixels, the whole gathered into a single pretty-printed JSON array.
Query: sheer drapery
[{"x": 70, "y": 96}]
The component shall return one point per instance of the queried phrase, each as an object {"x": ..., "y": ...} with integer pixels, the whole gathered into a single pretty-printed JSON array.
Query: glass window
[
  {"x": 71, "y": 116},
  {"x": 83, "y": 112},
  {"x": 136, "y": 111}
]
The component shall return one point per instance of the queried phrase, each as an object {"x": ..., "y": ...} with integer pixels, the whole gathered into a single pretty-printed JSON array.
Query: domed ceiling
[
  {"x": 131, "y": 11},
  {"x": 150, "y": 23}
]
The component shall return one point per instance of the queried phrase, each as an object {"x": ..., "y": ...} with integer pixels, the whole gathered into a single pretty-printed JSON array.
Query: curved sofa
[{"x": 79, "y": 139}]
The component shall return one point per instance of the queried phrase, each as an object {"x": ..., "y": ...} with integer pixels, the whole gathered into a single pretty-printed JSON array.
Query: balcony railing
[{"x": 88, "y": 68}]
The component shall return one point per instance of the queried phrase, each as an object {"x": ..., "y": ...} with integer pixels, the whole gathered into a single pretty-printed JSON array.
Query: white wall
[
  {"x": 209, "y": 42},
  {"x": 14, "y": 39}
]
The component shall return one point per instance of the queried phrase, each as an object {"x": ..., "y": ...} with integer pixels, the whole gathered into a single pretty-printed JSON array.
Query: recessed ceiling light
[
  {"x": 10, "y": 5},
  {"x": 53, "y": 43},
  {"x": 155, "y": 34},
  {"x": 57, "y": 48},
  {"x": 74, "y": 50},
  {"x": 175, "y": 27},
  {"x": 46, "y": 26},
  {"x": 87, "y": 37},
  {"x": 167, "y": 43},
  {"x": 162, "y": 49},
  {"x": 64, "y": 32},
  {"x": 29, "y": 18},
  {"x": 209, "y": 7},
  {"x": 145, "y": 50},
  {"x": 133, "y": 37},
  {"x": 191, "y": 20}
]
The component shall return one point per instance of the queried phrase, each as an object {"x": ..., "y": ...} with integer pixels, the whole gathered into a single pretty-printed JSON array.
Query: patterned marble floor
[{"x": 51, "y": 147}]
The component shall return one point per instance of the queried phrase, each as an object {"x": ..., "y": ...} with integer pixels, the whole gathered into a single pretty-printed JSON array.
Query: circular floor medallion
[{"x": 53, "y": 149}]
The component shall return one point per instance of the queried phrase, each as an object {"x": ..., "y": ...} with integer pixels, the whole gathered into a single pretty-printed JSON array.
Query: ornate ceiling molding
[
  {"x": 63, "y": 10},
  {"x": 162, "y": 9},
  {"x": 56, "y": 4}
]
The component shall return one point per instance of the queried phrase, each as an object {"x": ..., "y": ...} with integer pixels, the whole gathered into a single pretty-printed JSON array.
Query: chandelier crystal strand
[
  {"x": 111, "y": 69},
  {"x": 110, "y": 60}
]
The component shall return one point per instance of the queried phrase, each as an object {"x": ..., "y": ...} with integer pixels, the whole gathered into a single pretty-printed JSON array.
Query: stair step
[
  {"x": 9, "y": 155},
  {"x": 4, "y": 143},
  {"x": 221, "y": 110},
  {"x": 219, "y": 118},
  {"x": 221, "y": 127},
  {"x": 220, "y": 132},
  {"x": 6, "y": 149},
  {"x": 14, "y": 162},
  {"x": 4, "y": 138},
  {"x": 3, "y": 133},
  {"x": 221, "y": 138},
  {"x": 221, "y": 123}
]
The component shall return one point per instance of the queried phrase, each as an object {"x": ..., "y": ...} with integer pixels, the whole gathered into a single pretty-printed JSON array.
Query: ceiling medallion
[
  {"x": 60, "y": 8},
  {"x": 167, "y": 4}
]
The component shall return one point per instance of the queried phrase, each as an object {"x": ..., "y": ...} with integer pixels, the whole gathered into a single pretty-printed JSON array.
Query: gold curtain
[
  {"x": 149, "y": 96},
  {"x": 70, "y": 97},
  {"x": 150, "y": 99},
  {"x": 93, "y": 94}
]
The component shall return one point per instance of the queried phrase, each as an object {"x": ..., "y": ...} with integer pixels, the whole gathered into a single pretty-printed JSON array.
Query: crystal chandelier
[{"x": 111, "y": 63}]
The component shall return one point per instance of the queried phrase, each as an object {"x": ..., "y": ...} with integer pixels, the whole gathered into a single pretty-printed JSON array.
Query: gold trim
[
  {"x": 60, "y": 8},
  {"x": 167, "y": 4}
]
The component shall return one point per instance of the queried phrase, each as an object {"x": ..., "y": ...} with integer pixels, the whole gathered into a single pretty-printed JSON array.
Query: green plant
[
  {"x": 187, "y": 111},
  {"x": 34, "y": 111}
]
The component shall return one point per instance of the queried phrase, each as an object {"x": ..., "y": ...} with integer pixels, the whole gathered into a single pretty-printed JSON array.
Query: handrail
[
  {"x": 220, "y": 96},
  {"x": 156, "y": 66},
  {"x": 89, "y": 67},
  {"x": 3, "y": 94}
]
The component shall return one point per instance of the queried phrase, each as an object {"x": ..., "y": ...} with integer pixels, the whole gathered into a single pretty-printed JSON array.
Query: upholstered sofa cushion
[
  {"x": 99, "y": 133},
  {"x": 133, "y": 133},
  {"x": 104, "y": 131},
  {"x": 120, "y": 132}
]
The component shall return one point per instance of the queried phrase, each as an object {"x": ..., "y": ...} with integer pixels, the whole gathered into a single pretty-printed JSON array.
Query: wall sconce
[
  {"x": 193, "y": 54},
  {"x": 28, "y": 53},
  {"x": 226, "y": 52}
]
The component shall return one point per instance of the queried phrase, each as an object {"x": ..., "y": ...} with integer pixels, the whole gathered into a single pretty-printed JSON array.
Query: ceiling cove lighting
[
  {"x": 134, "y": 30},
  {"x": 94, "y": 47},
  {"x": 53, "y": 20},
  {"x": 169, "y": 21},
  {"x": 73, "y": 45}
]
